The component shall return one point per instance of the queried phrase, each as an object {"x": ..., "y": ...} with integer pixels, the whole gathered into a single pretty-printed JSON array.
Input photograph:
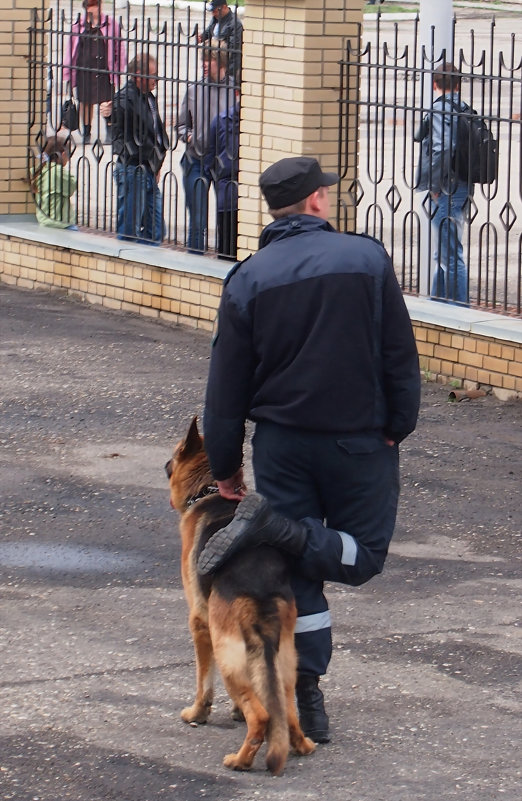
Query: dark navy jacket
[
  {"x": 313, "y": 333},
  {"x": 222, "y": 158}
]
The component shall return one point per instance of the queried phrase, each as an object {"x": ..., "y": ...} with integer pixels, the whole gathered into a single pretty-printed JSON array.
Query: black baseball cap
[
  {"x": 216, "y": 4},
  {"x": 290, "y": 180}
]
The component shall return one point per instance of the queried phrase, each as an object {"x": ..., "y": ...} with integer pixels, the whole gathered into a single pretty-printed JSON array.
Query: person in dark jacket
[
  {"x": 314, "y": 344},
  {"x": 140, "y": 141},
  {"x": 226, "y": 26},
  {"x": 222, "y": 164}
]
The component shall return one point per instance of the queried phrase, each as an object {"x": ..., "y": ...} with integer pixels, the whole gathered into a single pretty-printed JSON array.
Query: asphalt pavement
[{"x": 424, "y": 686}]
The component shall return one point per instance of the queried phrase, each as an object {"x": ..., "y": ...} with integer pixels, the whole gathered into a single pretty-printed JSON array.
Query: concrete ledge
[
  {"x": 25, "y": 226},
  {"x": 469, "y": 321},
  {"x": 423, "y": 310}
]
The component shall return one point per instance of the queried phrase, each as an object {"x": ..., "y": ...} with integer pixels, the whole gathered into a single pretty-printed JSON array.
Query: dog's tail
[{"x": 267, "y": 673}]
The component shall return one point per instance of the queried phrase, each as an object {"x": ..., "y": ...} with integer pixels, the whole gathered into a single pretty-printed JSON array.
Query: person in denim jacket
[{"x": 449, "y": 194}]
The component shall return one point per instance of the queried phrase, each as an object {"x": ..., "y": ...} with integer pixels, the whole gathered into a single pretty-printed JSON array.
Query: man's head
[
  {"x": 446, "y": 78},
  {"x": 215, "y": 60},
  {"x": 219, "y": 8},
  {"x": 142, "y": 69},
  {"x": 297, "y": 186}
]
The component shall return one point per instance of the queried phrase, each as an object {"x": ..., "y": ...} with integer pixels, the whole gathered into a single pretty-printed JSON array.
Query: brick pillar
[
  {"x": 290, "y": 92},
  {"x": 15, "y": 19}
]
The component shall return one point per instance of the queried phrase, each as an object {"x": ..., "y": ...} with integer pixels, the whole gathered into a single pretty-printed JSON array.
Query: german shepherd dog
[{"x": 241, "y": 618}]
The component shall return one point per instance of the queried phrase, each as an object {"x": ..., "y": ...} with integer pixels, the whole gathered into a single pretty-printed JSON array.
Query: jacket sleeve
[
  {"x": 234, "y": 44},
  {"x": 117, "y": 52},
  {"x": 228, "y": 389},
  {"x": 61, "y": 181},
  {"x": 209, "y": 161},
  {"x": 69, "y": 56},
  {"x": 440, "y": 142},
  {"x": 228, "y": 146},
  {"x": 184, "y": 121},
  {"x": 118, "y": 123},
  {"x": 400, "y": 361},
  {"x": 207, "y": 33},
  {"x": 235, "y": 41}
]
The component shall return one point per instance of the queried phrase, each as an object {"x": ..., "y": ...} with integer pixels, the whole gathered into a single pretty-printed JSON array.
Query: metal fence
[
  {"x": 84, "y": 53},
  {"x": 386, "y": 80},
  {"x": 385, "y": 93}
]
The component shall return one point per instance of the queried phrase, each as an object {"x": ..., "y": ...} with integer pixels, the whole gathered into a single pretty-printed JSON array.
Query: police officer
[{"x": 314, "y": 344}]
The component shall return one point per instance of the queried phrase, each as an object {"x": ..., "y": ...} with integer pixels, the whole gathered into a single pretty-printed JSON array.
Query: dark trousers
[
  {"x": 227, "y": 234},
  {"x": 345, "y": 488}
]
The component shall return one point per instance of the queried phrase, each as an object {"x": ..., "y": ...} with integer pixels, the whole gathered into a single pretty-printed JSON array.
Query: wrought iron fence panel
[
  {"x": 386, "y": 81},
  {"x": 83, "y": 52}
]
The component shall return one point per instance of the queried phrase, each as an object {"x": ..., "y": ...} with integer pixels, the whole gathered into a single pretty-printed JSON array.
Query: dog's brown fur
[{"x": 242, "y": 618}]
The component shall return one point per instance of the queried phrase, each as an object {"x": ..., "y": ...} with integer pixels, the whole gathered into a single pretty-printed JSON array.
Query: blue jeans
[
  {"x": 139, "y": 205},
  {"x": 195, "y": 185},
  {"x": 450, "y": 279}
]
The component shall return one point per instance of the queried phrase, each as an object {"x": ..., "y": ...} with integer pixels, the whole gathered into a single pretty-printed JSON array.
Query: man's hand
[
  {"x": 233, "y": 488},
  {"x": 106, "y": 108}
]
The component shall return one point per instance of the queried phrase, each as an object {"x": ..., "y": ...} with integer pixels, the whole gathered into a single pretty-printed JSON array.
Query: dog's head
[{"x": 188, "y": 471}]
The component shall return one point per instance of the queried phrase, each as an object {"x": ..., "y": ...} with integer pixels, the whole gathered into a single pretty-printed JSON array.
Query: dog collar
[{"x": 210, "y": 490}]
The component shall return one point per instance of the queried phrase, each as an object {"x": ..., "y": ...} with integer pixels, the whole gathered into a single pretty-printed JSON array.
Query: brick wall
[
  {"x": 464, "y": 358},
  {"x": 15, "y": 18},
  {"x": 172, "y": 295},
  {"x": 290, "y": 93},
  {"x": 470, "y": 360}
]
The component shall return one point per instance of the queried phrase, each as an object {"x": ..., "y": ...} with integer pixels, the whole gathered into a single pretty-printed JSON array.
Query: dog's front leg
[{"x": 200, "y": 709}]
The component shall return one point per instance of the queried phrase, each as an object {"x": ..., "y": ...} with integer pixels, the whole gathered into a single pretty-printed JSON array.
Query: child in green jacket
[{"x": 53, "y": 186}]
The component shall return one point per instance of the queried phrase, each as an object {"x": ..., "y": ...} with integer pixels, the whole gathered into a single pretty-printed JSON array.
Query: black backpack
[{"x": 476, "y": 155}]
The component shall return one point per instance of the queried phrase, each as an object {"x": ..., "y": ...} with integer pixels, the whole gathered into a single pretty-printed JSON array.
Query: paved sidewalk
[{"x": 424, "y": 687}]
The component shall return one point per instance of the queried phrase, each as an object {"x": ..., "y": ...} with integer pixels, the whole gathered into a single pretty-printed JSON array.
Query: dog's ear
[{"x": 192, "y": 443}]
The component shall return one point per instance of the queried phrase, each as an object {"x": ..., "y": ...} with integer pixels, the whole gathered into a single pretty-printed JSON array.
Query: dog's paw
[
  {"x": 233, "y": 762},
  {"x": 304, "y": 746},
  {"x": 195, "y": 714}
]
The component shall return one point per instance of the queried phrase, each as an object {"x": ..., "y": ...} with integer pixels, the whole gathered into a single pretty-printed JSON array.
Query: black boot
[
  {"x": 254, "y": 523},
  {"x": 310, "y": 703}
]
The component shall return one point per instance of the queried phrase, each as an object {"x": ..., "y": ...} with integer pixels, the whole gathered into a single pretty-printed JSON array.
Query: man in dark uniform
[{"x": 314, "y": 344}]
